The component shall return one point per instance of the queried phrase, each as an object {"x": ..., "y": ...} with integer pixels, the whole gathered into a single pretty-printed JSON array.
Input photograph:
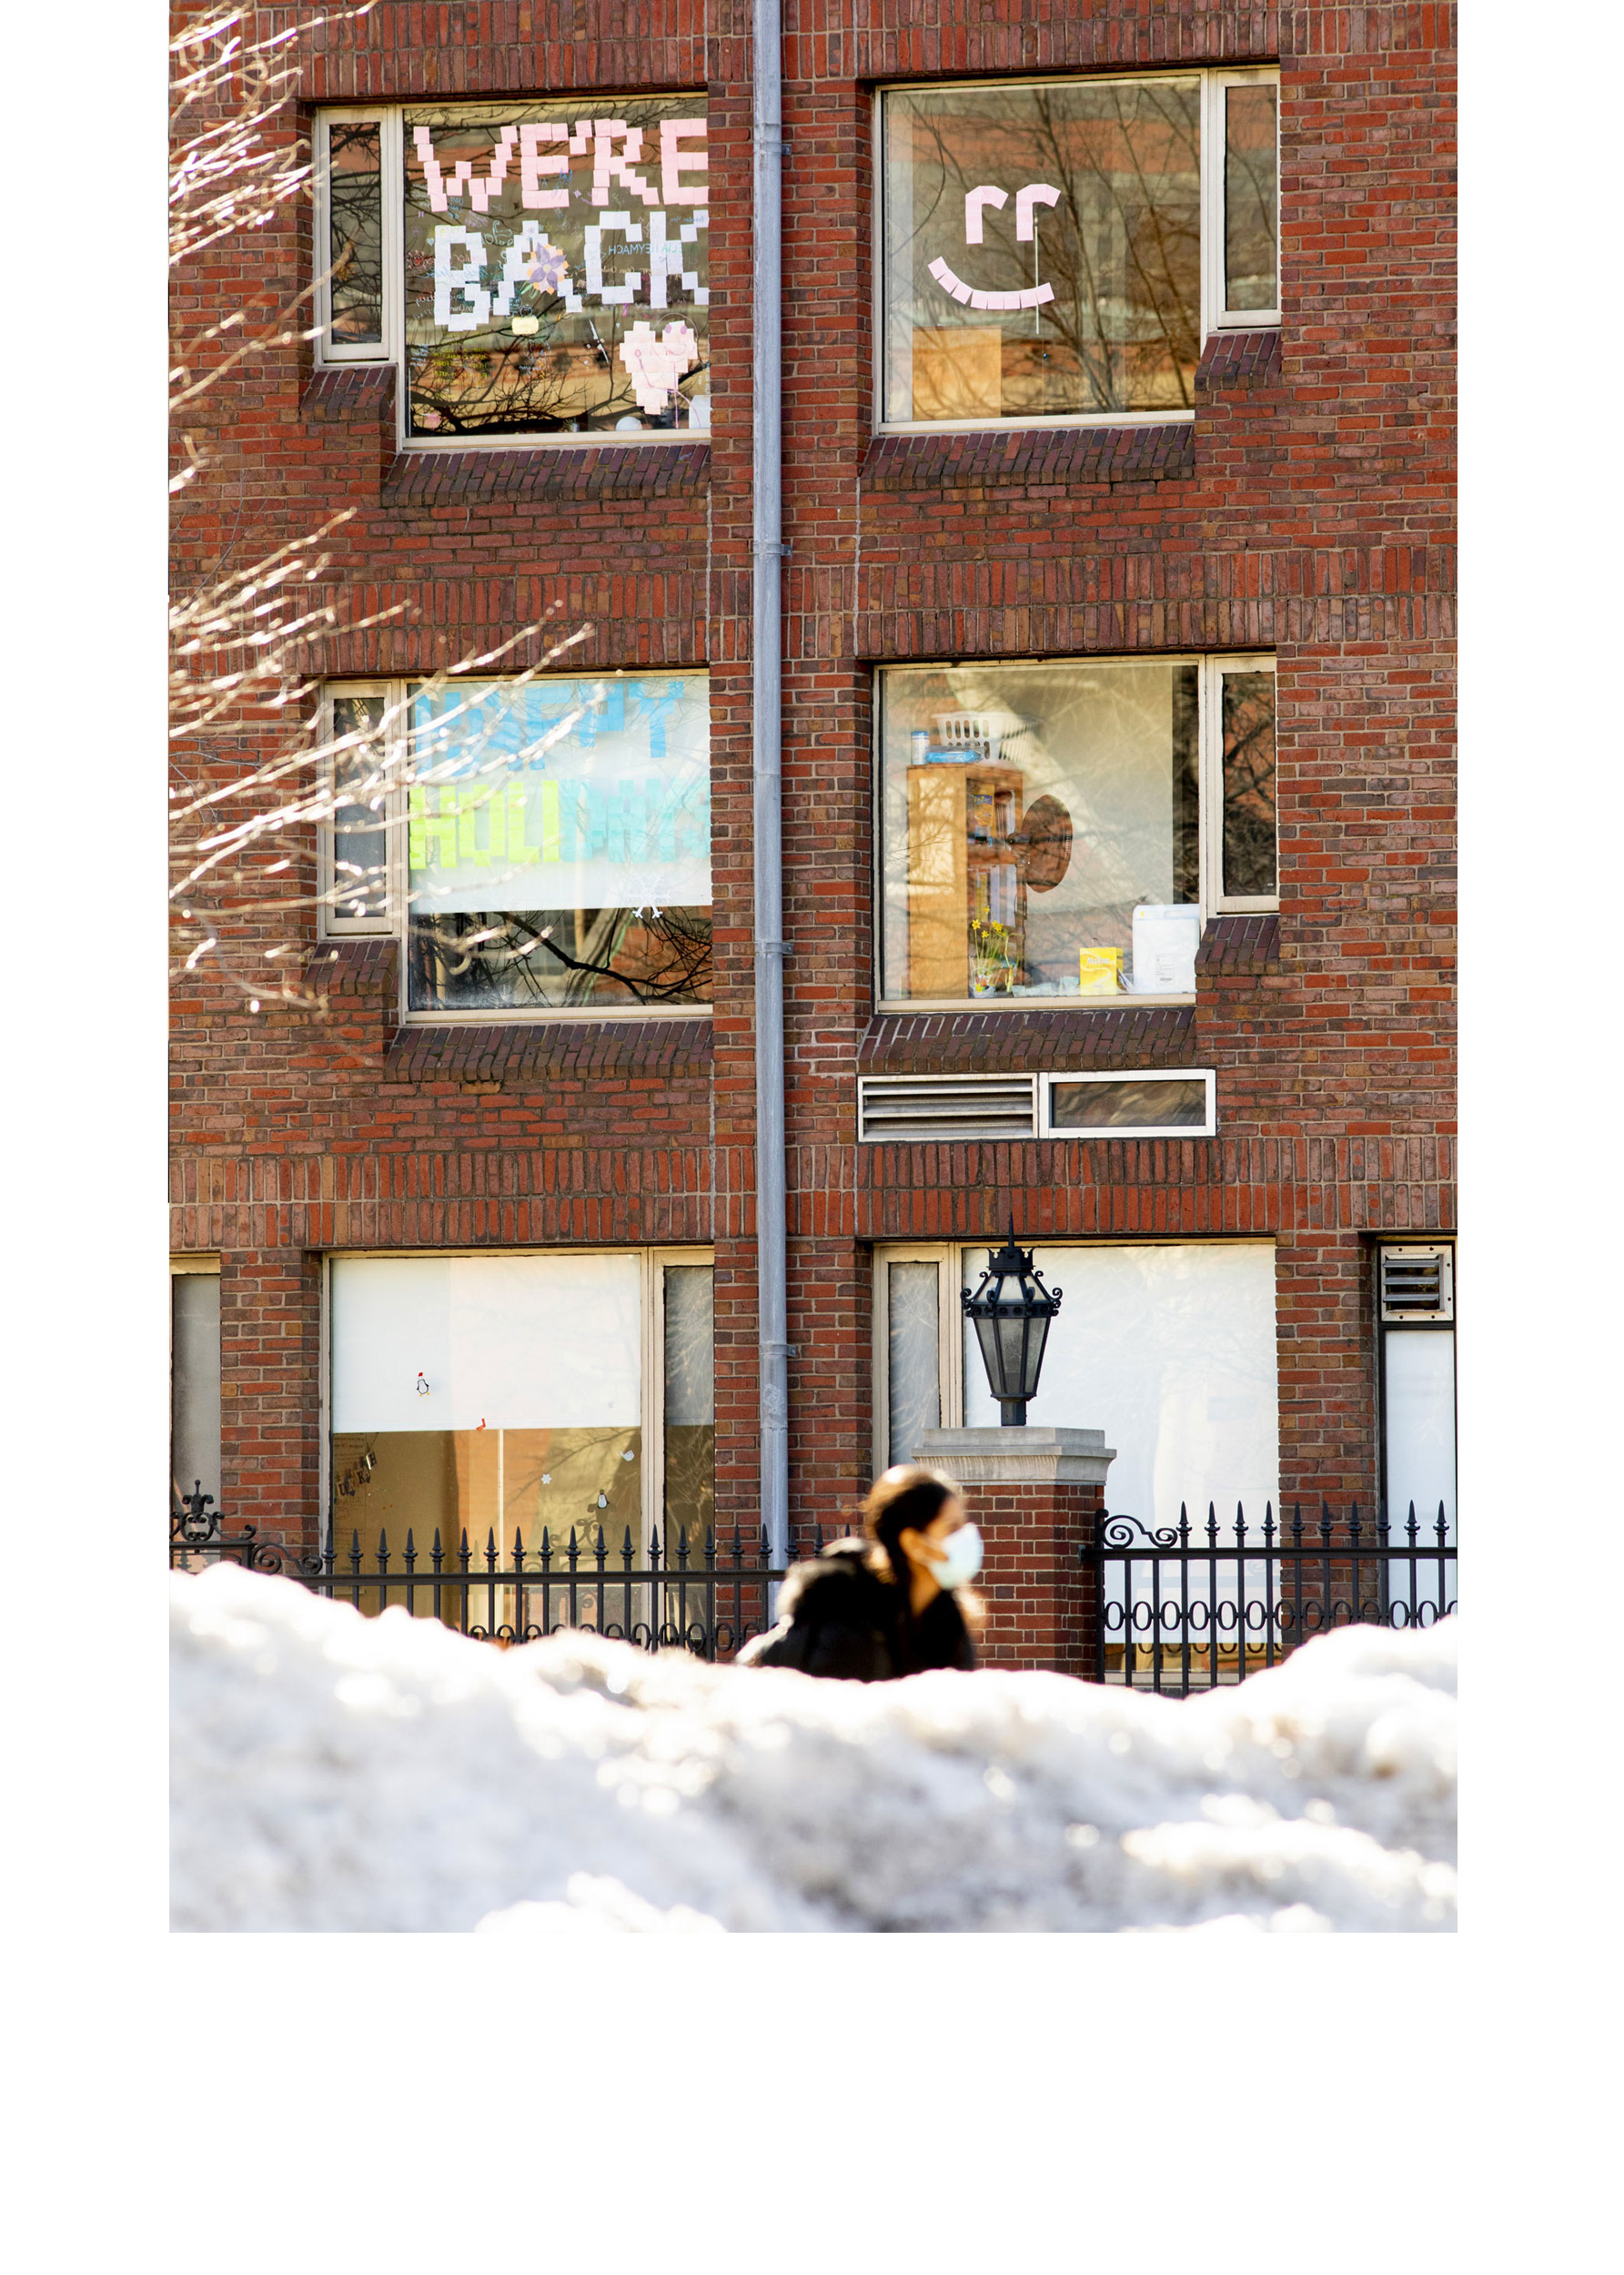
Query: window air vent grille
[
  {"x": 915, "y": 1109},
  {"x": 1418, "y": 1283}
]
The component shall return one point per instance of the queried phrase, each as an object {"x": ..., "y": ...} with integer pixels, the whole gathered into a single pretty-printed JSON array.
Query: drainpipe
[{"x": 766, "y": 727}]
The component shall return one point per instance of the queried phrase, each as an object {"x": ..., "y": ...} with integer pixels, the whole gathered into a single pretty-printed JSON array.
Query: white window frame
[
  {"x": 332, "y": 924},
  {"x": 1214, "y": 317},
  {"x": 332, "y": 928},
  {"x": 1209, "y": 779},
  {"x": 200, "y": 1264},
  {"x": 950, "y": 1339},
  {"x": 392, "y": 350},
  {"x": 1439, "y": 1324},
  {"x": 1203, "y": 1074},
  {"x": 1215, "y": 901},
  {"x": 652, "y": 1264},
  {"x": 329, "y": 352}
]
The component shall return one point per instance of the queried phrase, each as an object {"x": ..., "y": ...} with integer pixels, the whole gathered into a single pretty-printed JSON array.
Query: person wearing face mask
[{"x": 892, "y": 1602}]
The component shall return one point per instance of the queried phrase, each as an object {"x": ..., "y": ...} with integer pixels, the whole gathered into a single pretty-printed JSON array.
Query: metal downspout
[{"x": 766, "y": 729}]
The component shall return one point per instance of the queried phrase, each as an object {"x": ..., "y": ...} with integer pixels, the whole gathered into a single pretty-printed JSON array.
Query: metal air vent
[
  {"x": 916, "y": 1109},
  {"x": 1418, "y": 1283}
]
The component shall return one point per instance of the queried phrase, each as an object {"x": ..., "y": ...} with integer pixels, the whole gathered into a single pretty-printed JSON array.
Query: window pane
[
  {"x": 495, "y": 1395},
  {"x": 360, "y": 785},
  {"x": 1128, "y": 1106},
  {"x": 689, "y": 1407},
  {"x": 1418, "y": 1410},
  {"x": 355, "y": 203},
  {"x": 1249, "y": 861},
  {"x": 912, "y": 1357},
  {"x": 1170, "y": 1350},
  {"x": 1041, "y": 249},
  {"x": 558, "y": 844},
  {"x": 1040, "y": 831},
  {"x": 556, "y": 271},
  {"x": 1251, "y": 197},
  {"x": 194, "y": 1384}
]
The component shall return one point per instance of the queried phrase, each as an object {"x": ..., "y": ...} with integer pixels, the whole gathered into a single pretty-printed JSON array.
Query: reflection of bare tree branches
[
  {"x": 1121, "y": 250},
  {"x": 565, "y": 376},
  {"x": 1250, "y": 857},
  {"x": 512, "y": 958}
]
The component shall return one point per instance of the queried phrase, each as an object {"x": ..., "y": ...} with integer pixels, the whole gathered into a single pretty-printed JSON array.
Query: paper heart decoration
[{"x": 656, "y": 364}]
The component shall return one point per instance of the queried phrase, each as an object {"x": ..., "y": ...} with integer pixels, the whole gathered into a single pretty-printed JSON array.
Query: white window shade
[
  {"x": 516, "y": 1342},
  {"x": 1419, "y": 1396},
  {"x": 1170, "y": 1350}
]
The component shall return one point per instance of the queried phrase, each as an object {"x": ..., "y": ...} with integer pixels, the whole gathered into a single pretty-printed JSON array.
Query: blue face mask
[{"x": 960, "y": 1559}]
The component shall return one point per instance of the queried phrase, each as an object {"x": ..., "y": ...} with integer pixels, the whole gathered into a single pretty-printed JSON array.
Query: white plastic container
[{"x": 1166, "y": 938}]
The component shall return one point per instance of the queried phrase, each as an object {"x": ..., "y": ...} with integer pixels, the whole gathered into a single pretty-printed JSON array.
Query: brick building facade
[{"x": 1304, "y": 512}]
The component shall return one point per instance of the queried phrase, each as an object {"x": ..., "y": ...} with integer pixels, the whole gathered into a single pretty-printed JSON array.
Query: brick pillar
[{"x": 1034, "y": 1493}]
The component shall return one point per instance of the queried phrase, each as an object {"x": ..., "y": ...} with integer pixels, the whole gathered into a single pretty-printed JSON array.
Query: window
[
  {"x": 535, "y": 268},
  {"x": 1169, "y": 1348},
  {"x": 1062, "y": 829},
  {"x": 195, "y": 1379},
  {"x": 917, "y": 1354},
  {"x": 1060, "y": 248},
  {"x": 506, "y": 1394},
  {"x": 1415, "y": 1313},
  {"x": 1182, "y": 1104},
  {"x": 541, "y": 846}
]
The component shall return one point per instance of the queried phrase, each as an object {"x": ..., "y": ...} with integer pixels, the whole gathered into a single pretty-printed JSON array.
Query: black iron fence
[
  {"x": 1175, "y": 1608},
  {"x": 1178, "y": 1609},
  {"x": 709, "y": 1602}
]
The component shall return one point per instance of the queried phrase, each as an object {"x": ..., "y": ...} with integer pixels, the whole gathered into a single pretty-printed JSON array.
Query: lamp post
[{"x": 1012, "y": 1309}]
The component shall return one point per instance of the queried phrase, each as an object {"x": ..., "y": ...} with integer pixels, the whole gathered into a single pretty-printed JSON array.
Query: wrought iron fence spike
[{"x": 517, "y": 1549}]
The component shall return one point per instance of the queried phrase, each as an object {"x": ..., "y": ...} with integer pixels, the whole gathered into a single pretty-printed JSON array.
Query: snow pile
[{"x": 332, "y": 1772}]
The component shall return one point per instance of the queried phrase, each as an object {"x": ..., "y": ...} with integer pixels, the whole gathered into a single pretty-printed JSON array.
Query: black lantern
[{"x": 1012, "y": 1309}]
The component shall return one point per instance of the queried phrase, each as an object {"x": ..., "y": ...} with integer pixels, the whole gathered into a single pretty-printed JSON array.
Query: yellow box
[{"x": 1099, "y": 971}]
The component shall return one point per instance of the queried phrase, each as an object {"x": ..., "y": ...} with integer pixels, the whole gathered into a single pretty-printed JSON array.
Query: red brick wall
[
  {"x": 1039, "y": 1600},
  {"x": 1308, "y": 510}
]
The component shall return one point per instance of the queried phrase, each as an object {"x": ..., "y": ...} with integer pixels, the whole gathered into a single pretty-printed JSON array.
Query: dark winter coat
[{"x": 838, "y": 1617}]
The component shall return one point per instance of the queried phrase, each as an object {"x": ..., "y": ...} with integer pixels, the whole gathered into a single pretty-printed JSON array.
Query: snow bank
[{"x": 333, "y": 1772}]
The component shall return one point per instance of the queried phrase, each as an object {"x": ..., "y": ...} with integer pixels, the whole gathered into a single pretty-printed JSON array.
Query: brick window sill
[
  {"x": 1033, "y": 459},
  {"x": 434, "y": 477},
  {"x": 528, "y": 1056}
]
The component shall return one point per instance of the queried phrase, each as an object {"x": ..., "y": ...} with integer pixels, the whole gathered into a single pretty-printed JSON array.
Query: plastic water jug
[{"x": 1166, "y": 938}]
